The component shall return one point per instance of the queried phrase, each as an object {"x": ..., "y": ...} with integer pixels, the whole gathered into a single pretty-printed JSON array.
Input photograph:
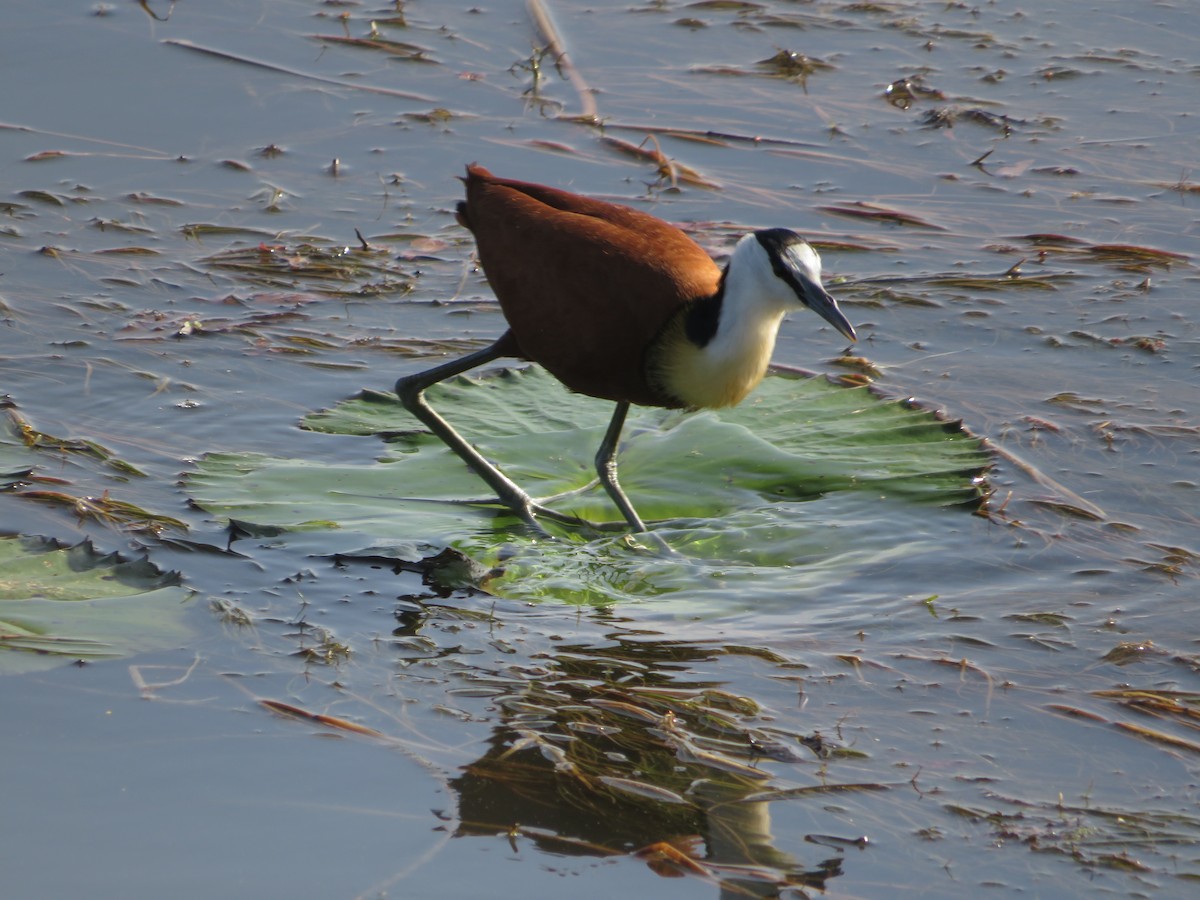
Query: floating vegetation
[
  {"x": 436, "y": 116},
  {"x": 26, "y": 454},
  {"x": 44, "y": 197},
  {"x": 668, "y": 170},
  {"x": 142, "y": 197},
  {"x": 332, "y": 270},
  {"x": 784, "y": 64},
  {"x": 790, "y": 64},
  {"x": 1127, "y": 253},
  {"x": 747, "y": 710},
  {"x": 1122, "y": 255},
  {"x": 903, "y": 92},
  {"x": 1096, "y": 836},
  {"x": 738, "y": 6},
  {"x": 884, "y": 288},
  {"x": 1182, "y": 186},
  {"x": 61, "y": 604},
  {"x": 46, "y": 155},
  {"x": 321, "y": 646},
  {"x": 17, "y": 429},
  {"x": 863, "y": 210},
  {"x": 948, "y": 116},
  {"x": 200, "y": 230},
  {"x": 337, "y": 723},
  {"x": 395, "y": 49},
  {"x": 108, "y": 511},
  {"x": 795, "y": 441}
]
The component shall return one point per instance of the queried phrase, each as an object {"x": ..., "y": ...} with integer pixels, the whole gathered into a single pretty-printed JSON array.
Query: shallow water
[{"x": 965, "y": 672}]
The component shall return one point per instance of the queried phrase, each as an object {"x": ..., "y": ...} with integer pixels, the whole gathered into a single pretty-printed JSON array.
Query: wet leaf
[
  {"x": 862, "y": 210},
  {"x": 437, "y": 116},
  {"x": 60, "y": 604},
  {"x": 727, "y": 5},
  {"x": 43, "y": 197},
  {"x": 790, "y": 64},
  {"x": 728, "y": 489},
  {"x": 47, "y": 154},
  {"x": 1131, "y": 253},
  {"x": 398, "y": 49},
  {"x": 643, "y": 790}
]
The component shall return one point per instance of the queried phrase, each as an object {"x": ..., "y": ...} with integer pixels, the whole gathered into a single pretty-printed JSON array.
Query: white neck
[{"x": 734, "y": 361}]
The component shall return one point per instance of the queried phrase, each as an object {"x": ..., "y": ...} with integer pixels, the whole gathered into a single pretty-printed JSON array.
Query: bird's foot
[{"x": 533, "y": 512}]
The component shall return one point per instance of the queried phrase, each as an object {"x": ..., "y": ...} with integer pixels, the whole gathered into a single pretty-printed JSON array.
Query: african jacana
[{"x": 618, "y": 304}]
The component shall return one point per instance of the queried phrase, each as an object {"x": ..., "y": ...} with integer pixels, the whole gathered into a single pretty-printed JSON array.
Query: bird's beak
[{"x": 820, "y": 302}]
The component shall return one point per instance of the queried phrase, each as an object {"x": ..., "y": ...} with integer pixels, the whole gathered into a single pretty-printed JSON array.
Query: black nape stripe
[
  {"x": 776, "y": 242},
  {"x": 701, "y": 321}
]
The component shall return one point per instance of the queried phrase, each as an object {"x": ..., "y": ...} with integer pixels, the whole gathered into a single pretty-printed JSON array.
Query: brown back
[{"x": 585, "y": 285}]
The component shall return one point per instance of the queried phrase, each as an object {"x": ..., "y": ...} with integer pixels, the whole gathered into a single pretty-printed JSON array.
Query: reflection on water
[{"x": 187, "y": 270}]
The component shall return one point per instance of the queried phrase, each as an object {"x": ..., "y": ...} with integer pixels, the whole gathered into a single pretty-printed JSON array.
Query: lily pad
[
  {"x": 731, "y": 491},
  {"x": 62, "y": 604}
]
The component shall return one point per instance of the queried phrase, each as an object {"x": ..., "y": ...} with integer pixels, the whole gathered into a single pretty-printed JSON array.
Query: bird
[{"x": 618, "y": 304}]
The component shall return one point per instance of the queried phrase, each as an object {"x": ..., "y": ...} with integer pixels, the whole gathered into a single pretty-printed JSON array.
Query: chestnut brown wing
[{"x": 585, "y": 285}]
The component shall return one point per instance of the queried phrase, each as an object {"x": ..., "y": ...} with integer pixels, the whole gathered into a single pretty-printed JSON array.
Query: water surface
[{"x": 151, "y": 165}]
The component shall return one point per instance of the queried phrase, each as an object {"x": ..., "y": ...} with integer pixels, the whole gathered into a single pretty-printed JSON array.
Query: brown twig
[
  {"x": 545, "y": 26},
  {"x": 295, "y": 73}
]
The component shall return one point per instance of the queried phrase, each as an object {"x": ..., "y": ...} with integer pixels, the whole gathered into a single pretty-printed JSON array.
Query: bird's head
[{"x": 783, "y": 268}]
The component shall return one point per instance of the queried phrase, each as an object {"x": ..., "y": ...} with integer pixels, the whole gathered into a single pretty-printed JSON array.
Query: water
[{"x": 969, "y": 674}]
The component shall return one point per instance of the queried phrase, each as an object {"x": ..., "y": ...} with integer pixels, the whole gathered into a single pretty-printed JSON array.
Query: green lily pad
[
  {"x": 781, "y": 493},
  {"x": 795, "y": 438},
  {"x": 62, "y": 604}
]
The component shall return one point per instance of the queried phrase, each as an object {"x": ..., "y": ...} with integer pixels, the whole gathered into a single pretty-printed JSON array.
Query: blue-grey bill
[{"x": 820, "y": 302}]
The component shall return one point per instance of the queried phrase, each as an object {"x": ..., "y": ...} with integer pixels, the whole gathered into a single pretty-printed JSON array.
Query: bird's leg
[
  {"x": 606, "y": 467},
  {"x": 411, "y": 388}
]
